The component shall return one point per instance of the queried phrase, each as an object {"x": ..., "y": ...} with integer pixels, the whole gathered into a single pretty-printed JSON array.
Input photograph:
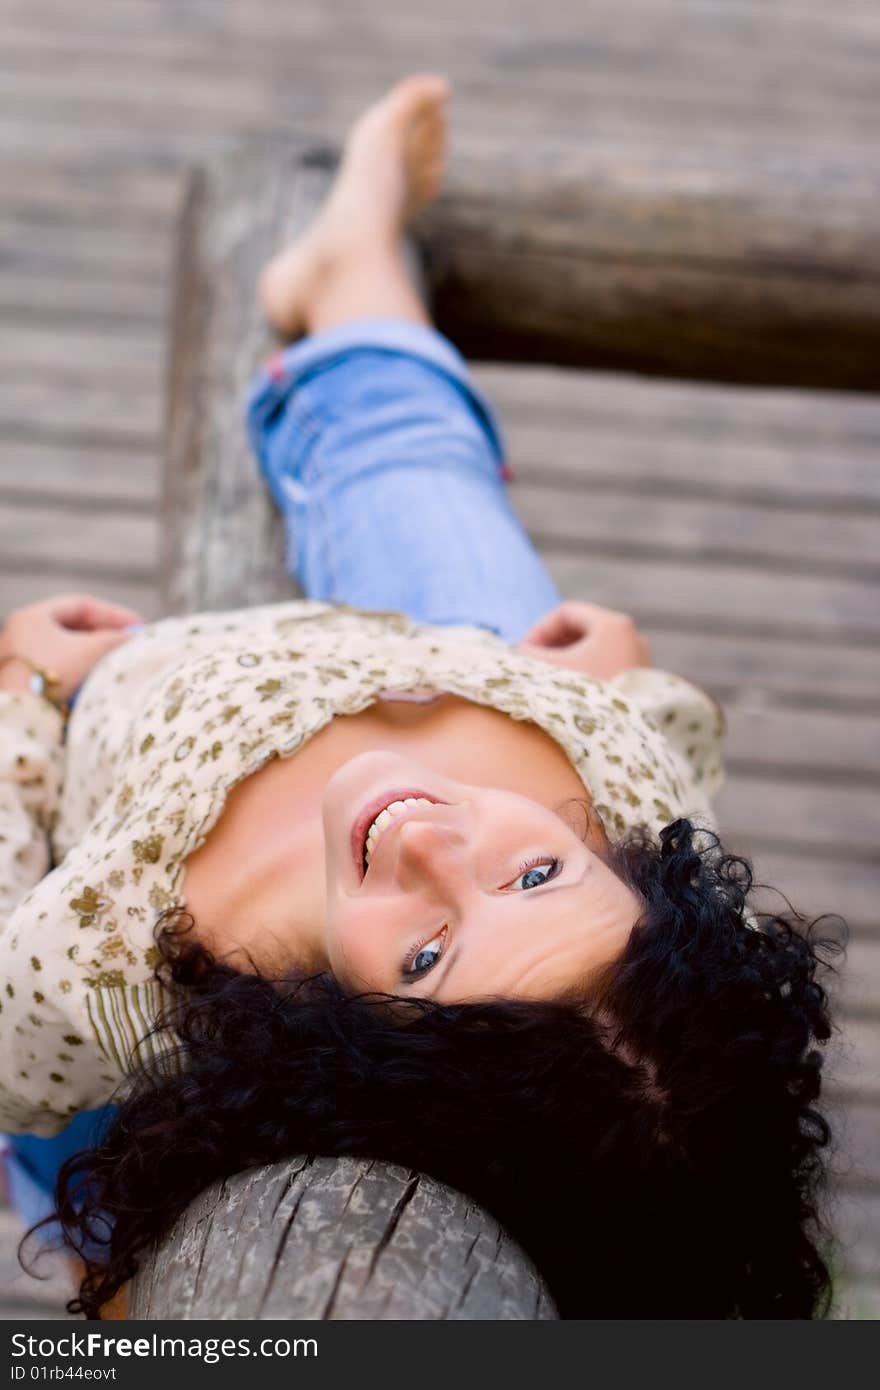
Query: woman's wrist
[
  {"x": 20, "y": 675},
  {"x": 15, "y": 674}
]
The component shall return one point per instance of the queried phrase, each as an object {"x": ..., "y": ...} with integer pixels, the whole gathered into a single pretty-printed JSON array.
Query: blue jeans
[
  {"x": 32, "y": 1165},
  {"x": 388, "y": 466}
]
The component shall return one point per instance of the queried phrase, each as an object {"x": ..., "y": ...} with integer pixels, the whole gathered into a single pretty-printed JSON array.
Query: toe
[{"x": 418, "y": 93}]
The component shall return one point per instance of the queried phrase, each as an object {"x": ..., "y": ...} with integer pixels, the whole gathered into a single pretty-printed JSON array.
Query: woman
[{"x": 420, "y": 867}]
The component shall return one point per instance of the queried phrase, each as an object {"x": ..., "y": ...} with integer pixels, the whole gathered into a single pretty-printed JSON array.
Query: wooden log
[
  {"x": 733, "y": 276},
  {"x": 310, "y": 1238},
  {"x": 337, "y": 1239},
  {"x": 222, "y": 542}
]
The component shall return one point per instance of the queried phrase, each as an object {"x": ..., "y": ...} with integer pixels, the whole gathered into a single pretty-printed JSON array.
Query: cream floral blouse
[{"x": 168, "y": 723}]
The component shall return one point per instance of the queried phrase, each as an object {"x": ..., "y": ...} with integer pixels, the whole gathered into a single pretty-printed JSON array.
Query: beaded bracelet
[{"x": 45, "y": 684}]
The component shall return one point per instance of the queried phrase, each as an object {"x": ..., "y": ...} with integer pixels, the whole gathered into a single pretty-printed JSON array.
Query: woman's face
[{"x": 475, "y": 892}]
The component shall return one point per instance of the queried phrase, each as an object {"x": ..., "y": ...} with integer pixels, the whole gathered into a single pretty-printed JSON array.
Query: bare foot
[{"x": 392, "y": 166}]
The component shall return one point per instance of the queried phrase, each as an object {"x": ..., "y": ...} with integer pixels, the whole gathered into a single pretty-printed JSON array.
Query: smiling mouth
[{"x": 374, "y": 808}]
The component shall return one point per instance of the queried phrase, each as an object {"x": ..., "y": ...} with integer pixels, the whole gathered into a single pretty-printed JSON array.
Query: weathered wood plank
[
  {"x": 55, "y": 140},
  {"x": 856, "y": 1130},
  {"x": 131, "y": 358},
  {"x": 711, "y": 531},
  {"x": 690, "y": 63},
  {"x": 844, "y": 746},
  {"x": 98, "y": 88},
  {"x": 34, "y": 246},
  {"x": 125, "y": 193},
  {"x": 725, "y": 597},
  {"x": 854, "y": 1059},
  {"x": 707, "y": 30},
  {"x": 328, "y": 1239},
  {"x": 98, "y": 542},
  {"x": 812, "y": 817},
  {"x": 703, "y": 412},
  {"x": 563, "y": 42},
  {"x": 59, "y": 301},
  {"x": 70, "y": 475},
  {"x": 83, "y": 413},
  {"x": 857, "y": 991},
  {"x": 859, "y": 985},
  {"x": 647, "y": 457},
  {"x": 757, "y": 669},
  {"x": 618, "y": 137},
  {"x": 818, "y": 883},
  {"x": 681, "y": 55}
]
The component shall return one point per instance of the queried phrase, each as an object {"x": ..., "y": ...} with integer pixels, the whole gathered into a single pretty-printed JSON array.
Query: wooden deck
[{"x": 739, "y": 525}]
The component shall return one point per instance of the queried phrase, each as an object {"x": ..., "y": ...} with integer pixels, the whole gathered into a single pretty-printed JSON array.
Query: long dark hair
[{"x": 655, "y": 1146}]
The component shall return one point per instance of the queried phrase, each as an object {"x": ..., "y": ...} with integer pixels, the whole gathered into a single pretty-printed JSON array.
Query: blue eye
[
  {"x": 534, "y": 871},
  {"x": 424, "y": 957}
]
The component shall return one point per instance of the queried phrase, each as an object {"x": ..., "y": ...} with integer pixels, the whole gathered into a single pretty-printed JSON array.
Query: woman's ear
[{"x": 578, "y": 813}]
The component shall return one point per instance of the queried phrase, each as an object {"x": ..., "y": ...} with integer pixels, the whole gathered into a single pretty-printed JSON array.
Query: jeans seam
[{"x": 305, "y": 420}]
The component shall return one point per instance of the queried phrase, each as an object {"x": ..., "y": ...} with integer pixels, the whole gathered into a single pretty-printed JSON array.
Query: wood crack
[
  {"x": 393, "y": 1222},
  {"x": 276, "y": 1259},
  {"x": 330, "y": 1305}
]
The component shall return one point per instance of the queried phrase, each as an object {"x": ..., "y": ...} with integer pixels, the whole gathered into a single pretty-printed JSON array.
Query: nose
[{"x": 430, "y": 855}]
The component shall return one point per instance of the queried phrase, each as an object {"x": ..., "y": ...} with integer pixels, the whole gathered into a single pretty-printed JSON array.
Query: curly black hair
[{"x": 654, "y": 1146}]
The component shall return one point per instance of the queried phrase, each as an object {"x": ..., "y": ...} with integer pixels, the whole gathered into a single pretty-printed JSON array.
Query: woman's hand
[
  {"x": 584, "y": 637},
  {"x": 65, "y": 635}
]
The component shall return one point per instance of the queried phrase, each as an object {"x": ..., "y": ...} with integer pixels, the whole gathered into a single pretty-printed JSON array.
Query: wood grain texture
[
  {"x": 715, "y": 413},
  {"x": 723, "y": 597},
  {"x": 816, "y": 884},
  {"x": 67, "y": 475},
  {"x": 223, "y": 543},
  {"x": 699, "y": 280},
  {"x": 337, "y": 1239},
  {"x": 710, "y": 530}
]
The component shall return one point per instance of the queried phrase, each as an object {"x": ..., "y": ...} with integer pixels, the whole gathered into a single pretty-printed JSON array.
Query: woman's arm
[
  {"x": 603, "y": 643},
  {"x": 64, "y": 636},
  {"x": 31, "y": 732},
  {"x": 596, "y": 641}
]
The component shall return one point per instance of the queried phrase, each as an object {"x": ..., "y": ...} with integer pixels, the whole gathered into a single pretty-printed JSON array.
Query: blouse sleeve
[
  {"x": 692, "y": 723},
  {"x": 31, "y": 759}
]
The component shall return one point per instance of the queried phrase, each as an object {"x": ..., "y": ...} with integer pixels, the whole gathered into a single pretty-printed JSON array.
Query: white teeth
[{"x": 396, "y": 808}]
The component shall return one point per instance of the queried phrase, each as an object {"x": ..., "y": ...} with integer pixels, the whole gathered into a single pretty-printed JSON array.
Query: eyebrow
[{"x": 552, "y": 886}]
